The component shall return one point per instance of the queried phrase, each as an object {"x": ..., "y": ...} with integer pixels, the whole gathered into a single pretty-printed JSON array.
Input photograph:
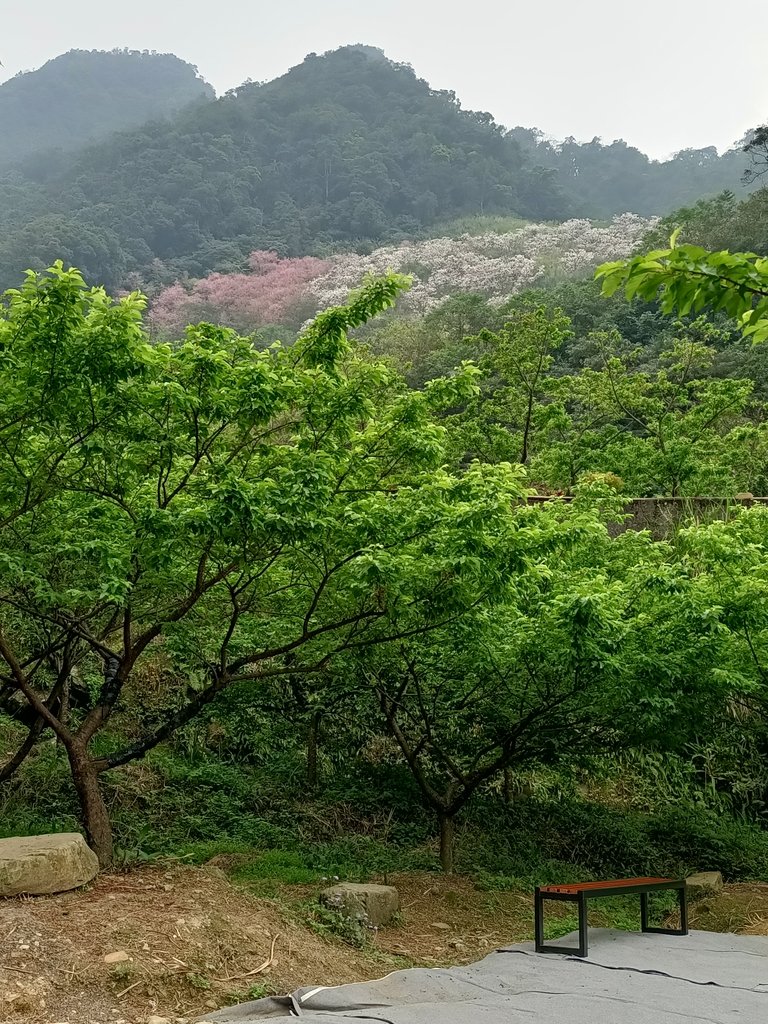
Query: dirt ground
[{"x": 174, "y": 941}]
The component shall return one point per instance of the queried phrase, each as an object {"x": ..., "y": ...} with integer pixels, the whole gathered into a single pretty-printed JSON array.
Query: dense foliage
[
  {"x": 688, "y": 279},
  {"x": 724, "y": 222},
  {"x": 676, "y": 430},
  {"x": 602, "y": 179},
  {"x": 270, "y": 543},
  {"x": 310, "y": 581},
  {"x": 237, "y": 514}
]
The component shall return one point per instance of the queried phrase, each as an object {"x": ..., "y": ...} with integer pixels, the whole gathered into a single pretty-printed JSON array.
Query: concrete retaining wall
[{"x": 660, "y": 516}]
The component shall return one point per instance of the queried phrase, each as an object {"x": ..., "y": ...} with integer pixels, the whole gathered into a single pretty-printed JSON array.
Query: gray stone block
[
  {"x": 704, "y": 883},
  {"x": 372, "y": 905},
  {"x": 39, "y": 865}
]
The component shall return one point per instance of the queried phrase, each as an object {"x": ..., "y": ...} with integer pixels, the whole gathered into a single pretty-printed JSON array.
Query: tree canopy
[
  {"x": 688, "y": 279},
  {"x": 218, "y": 508}
]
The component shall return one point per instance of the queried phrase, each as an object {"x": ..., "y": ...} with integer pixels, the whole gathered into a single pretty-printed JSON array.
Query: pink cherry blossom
[
  {"x": 273, "y": 292},
  {"x": 496, "y": 265}
]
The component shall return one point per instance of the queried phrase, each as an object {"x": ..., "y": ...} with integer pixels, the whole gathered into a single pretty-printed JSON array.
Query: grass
[
  {"x": 251, "y": 994},
  {"x": 365, "y": 825}
]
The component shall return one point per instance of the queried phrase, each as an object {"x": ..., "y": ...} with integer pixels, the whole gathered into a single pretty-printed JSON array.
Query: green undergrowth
[{"x": 370, "y": 823}]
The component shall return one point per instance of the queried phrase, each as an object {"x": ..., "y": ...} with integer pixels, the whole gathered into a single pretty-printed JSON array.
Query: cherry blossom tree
[
  {"x": 495, "y": 264},
  {"x": 273, "y": 291}
]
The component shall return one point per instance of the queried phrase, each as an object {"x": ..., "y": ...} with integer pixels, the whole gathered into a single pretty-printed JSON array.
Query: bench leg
[
  {"x": 682, "y": 897},
  {"x": 538, "y": 927},
  {"x": 538, "y": 920},
  {"x": 683, "y": 904},
  {"x": 583, "y": 918}
]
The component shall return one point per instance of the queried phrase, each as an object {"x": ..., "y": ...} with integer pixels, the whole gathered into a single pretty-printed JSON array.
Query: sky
[{"x": 661, "y": 74}]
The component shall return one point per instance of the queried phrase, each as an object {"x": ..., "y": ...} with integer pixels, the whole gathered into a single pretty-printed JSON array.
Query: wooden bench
[{"x": 585, "y": 891}]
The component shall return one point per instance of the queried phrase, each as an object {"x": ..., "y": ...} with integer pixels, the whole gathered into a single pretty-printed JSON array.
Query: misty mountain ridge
[
  {"x": 85, "y": 95},
  {"x": 346, "y": 150}
]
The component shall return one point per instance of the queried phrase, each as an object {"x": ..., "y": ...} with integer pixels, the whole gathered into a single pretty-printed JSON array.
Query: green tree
[
  {"x": 215, "y": 509},
  {"x": 597, "y": 645},
  {"x": 725, "y": 222},
  {"x": 516, "y": 359},
  {"x": 729, "y": 564},
  {"x": 676, "y": 431},
  {"x": 688, "y": 279}
]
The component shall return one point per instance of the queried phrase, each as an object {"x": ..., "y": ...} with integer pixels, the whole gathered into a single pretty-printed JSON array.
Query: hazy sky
[{"x": 662, "y": 74}]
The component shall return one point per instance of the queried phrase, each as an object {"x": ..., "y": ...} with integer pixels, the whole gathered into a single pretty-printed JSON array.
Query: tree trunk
[
  {"x": 95, "y": 816},
  {"x": 313, "y": 735},
  {"x": 64, "y": 706},
  {"x": 446, "y": 843},
  {"x": 527, "y": 430}
]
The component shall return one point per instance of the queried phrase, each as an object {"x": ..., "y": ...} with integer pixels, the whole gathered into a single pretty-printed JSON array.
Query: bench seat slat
[{"x": 615, "y": 884}]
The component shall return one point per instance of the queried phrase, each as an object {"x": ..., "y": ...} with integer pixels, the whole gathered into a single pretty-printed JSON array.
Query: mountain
[
  {"x": 604, "y": 179},
  {"x": 84, "y": 95},
  {"x": 346, "y": 149}
]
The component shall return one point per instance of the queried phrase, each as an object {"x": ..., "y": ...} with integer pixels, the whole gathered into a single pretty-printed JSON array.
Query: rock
[
  {"x": 39, "y": 865},
  {"x": 158, "y": 1020},
  {"x": 373, "y": 905},
  {"x": 703, "y": 884},
  {"x": 441, "y": 926},
  {"x": 118, "y": 957}
]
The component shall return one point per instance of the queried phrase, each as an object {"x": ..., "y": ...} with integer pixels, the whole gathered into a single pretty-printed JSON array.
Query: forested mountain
[
  {"x": 346, "y": 148},
  {"x": 603, "y": 179},
  {"x": 84, "y": 95}
]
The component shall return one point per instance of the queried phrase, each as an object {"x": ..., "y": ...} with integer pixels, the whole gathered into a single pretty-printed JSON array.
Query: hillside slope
[
  {"x": 345, "y": 148},
  {"x": 83, "y": 95}
]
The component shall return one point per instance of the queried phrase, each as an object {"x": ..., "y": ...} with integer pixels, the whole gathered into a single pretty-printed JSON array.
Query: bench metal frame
[{"x": 582, "y": 897}]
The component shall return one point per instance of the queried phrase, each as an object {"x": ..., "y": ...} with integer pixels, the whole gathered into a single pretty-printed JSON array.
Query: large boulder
[
  {"x": 371, "y": 905},
  {"x": 704, "y": 883},
  {"x": 39, "y": 865}
]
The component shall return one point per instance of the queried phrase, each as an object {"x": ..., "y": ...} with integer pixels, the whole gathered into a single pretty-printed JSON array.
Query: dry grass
[
  {"x": 739, "y": 908},
  {"x": 193, "y": 941}
]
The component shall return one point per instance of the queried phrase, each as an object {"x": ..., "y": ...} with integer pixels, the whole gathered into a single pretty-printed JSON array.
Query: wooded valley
[{"x": 287, "y": 371}]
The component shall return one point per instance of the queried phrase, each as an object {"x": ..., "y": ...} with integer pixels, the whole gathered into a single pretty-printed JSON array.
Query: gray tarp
[{"x": 628, "y": 978}]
